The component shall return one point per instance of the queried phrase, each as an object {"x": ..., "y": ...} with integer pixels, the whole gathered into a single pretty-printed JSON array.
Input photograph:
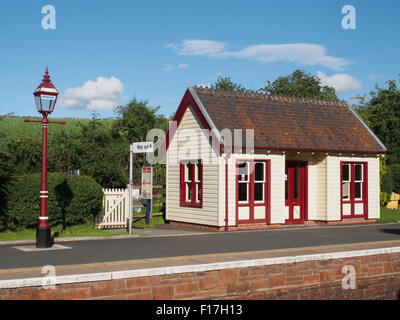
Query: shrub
[
  {"x": 387, "y": 184},
  {"x": 72, "y": 200},
  {"x": 384, "y": 199},
  {"x": 395, "y": 169}
]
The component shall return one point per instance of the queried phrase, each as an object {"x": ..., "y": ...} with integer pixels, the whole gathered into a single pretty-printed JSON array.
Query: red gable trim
[{"x": 187, "y": 101}]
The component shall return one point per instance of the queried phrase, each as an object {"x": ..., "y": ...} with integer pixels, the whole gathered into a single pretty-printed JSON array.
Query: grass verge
[
  {"x": 389, "y": 215},
  {"x": 140, "y": 222},
  {"x": 84, "y": 230}
]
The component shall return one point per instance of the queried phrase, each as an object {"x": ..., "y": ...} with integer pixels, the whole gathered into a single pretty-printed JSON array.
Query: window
[
  {"x": 346, "y": 181},
  {"x": 354, "y": 189},
  {"x": 252, "y": 190},
  {"x": 358, "y": 181},
  {"x": 191, "y": 178},
  {"x": 259, "y": 181},
  {"x": 352, "y": 181},
  {"x": 243, "y": 180}
]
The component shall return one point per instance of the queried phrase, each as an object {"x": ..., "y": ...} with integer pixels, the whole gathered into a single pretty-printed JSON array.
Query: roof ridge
[{"x": 272, "y": 98}]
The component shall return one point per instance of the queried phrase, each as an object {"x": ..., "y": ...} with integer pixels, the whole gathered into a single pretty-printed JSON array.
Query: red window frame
[
  {"x": 251, "y": 203},
  {"x": 352, "y": 201},
  {"x": 183, "y": 201}
]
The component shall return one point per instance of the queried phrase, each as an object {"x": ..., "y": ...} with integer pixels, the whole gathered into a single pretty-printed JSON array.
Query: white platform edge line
[{"x": 90, "y": 277}]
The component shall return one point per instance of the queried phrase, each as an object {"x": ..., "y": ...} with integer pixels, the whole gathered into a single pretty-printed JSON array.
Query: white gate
[{"x": 115, "y": 212}]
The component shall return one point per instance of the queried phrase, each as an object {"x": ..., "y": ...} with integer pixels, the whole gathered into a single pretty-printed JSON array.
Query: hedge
[{"x": 72, "y": 200}]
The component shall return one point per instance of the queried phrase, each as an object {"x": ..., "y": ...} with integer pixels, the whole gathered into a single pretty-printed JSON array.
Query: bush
[
  {"x": 395, "y": 169},
  {"x": 386, "y": 189},
  {"x": 72, "y": 200},
  {"x": 387, "y": 184},
  {"x": 384, "y": 199}
]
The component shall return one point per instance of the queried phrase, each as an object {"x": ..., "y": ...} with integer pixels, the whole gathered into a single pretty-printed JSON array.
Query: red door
[{"x": 295, "y": 191}]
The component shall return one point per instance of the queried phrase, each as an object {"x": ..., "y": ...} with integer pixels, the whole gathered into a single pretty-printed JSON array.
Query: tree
[
  {"x": 300, "y": 84},
  {"x": 5, "y": 179},
  {"x": 25, "y": 153},
  {"x": 382, "y": 114},
  {"x": 228, "y": 85},
  {"x": 135, "y": 120}
]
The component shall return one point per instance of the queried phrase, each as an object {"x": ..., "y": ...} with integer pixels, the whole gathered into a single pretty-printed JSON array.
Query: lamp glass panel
[
  {"x": 37, "y": 101},
  {"x": 47, "y": 102}
]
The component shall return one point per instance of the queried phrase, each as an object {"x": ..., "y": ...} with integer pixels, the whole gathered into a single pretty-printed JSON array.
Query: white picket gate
[{"x": 115, "y": 209}]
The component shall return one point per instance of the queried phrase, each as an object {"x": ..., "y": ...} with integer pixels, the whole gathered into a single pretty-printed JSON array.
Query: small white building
[{"x": 245, "y": 160}]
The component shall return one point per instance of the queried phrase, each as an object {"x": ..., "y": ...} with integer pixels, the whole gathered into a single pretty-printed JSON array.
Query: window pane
[
  {"x": 243, "y": 191},
  {"x": 188, "y": 191},
  {"x": 357, "y": 190},
  {"x": 346, "y": 172},
  {"x": 346, "y": 190},
  {"x": 188, "y": 172},
  {"x": 358, "y": 172},
  {"x": 243, "y": 171},
  {"x": 259, "y": 171},
  {"x": 198, "y": 186},
  {"x": 296, "y": 183},
  {"x": 198, "y": 166},
  {"x": 259, "y": 192}
]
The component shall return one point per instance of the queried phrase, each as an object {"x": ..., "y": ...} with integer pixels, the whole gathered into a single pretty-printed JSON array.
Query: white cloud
[
  {"x": 102, "y": 94},
  {"x": 302, "y": 53},
  {"x": 171, "y": 67},
  {"x": 340, "y": 81},
  {"x": 201, "y": 47}
]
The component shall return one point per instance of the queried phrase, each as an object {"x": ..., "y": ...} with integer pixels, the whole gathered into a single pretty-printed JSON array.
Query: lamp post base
[{"x": 43, "y": 238}]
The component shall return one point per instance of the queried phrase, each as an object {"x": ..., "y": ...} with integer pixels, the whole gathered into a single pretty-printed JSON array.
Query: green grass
[
  {"x": 140, "y": 222},
  {"x": 389, "y": 215},
  {"x": 84, "y": 230},
  {"x": 13, "y": 126}
]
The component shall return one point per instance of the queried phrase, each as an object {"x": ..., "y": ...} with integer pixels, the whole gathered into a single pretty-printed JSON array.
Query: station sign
[
  {"x": 142, "y": 147},
  {"x": 147, "y": 183}
]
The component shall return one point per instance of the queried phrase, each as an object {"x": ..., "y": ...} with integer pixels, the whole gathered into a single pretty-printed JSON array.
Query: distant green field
[{"x": 12, "y": 126}]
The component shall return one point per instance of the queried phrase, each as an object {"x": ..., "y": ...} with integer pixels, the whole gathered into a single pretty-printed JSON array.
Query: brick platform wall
[{"x": 377, "y": 277}]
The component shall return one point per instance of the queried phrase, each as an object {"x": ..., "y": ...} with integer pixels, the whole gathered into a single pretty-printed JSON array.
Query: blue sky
[{"x": 102, "y": 53}]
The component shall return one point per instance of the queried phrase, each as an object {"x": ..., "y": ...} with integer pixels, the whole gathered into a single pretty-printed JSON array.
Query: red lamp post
[{"x": 45, "y": 97}]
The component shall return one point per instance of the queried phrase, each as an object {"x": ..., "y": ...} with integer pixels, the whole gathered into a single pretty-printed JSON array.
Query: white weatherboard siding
[
  {"x": 321, "y": 213},
  {"x": 277, "y": 188},
  {"x": 190, "y": 142},
  {"x": 312, "y": 190},
  {"x": 334, "y": 184}
]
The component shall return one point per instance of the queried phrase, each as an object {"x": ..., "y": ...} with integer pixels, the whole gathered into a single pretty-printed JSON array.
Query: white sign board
[{"x": 142, "y": 147}]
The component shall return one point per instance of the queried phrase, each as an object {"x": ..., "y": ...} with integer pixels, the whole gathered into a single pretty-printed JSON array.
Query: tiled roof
[{"x": 289, "y": 123}]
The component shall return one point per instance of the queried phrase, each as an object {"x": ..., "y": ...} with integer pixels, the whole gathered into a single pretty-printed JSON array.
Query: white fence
[{"x": 115, "y": 212}]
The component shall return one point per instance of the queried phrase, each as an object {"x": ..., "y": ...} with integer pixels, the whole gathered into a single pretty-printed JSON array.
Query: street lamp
[{"x": 45, "y": 98}]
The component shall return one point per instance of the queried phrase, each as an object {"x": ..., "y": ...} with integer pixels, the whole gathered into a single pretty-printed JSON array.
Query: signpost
[{"x": 137, "y": 147}]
